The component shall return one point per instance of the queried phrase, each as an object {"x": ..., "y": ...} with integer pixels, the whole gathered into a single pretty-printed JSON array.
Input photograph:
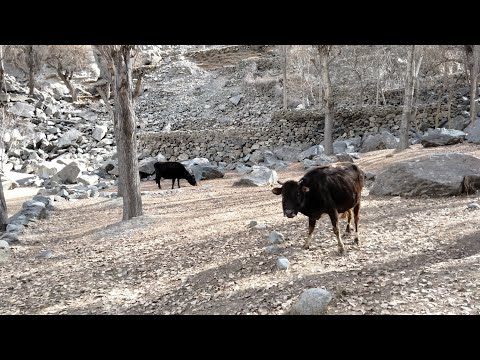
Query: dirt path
[{"x": 194, "y": 253}]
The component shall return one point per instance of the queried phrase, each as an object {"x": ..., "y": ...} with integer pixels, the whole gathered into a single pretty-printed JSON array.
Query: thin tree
[
  {"x": 66, "y": 60},
  {"x": 324, "y": 52},
  {"x": 119, "y": 58},
  {"x": 408, "y": 100},
  {"x": 3, "y": 203},
  {"x": 284, "y": 48},
  {"x": 27, "y": 58},
  {"x": 473, "y": 82}
]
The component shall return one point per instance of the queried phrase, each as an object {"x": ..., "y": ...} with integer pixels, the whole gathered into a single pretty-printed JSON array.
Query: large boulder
[
  {"x": 22, "y": 109},
  {"x": 206, "y": 172},
  {"x": 68, "y": 175},
  {"x": 260, "y": 176},
  {"x": 147, "y": 165},
  {"x": 459, "y": 122},
  {"x": 287, "y": 153},
  {"x": 381, "y": 141},
  {"x": 473, "y": 132},
  {"x": 311, "y": 152},
  {"x": 47, "y": 169},
  {"x": 442, "y": 137},
  {"x": 433, "y": 175}
]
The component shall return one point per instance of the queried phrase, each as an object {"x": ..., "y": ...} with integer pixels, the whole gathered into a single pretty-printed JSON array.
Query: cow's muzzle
[{"x": 290, "y": 213}]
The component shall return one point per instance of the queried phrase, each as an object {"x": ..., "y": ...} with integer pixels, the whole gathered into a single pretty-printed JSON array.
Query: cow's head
[
  {"x": 191, "y": 179},
  {"x": 293, "y": 196}
]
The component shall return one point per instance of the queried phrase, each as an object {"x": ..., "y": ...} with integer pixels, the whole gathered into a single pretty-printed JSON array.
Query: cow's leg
[
  {"x": 311, "y": 226},
  {"x": 356, "y": 211},
  {"x": 348, "y": 230},
  {"x": 178, "y": 181},
  {"x": 334, "y": 219},
  {"x": 157, "y": 179},
  {"x": 173, "y": 182}
]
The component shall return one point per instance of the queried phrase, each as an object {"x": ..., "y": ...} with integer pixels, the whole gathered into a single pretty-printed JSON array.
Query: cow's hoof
[
  {"x": 341, "y": 251},
  {"x": 306, "y": 247},
  {"x": 356, "y": 242}
]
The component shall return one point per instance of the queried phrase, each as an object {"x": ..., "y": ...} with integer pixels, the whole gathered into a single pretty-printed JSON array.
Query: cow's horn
[{"x": 280, "y": 182}]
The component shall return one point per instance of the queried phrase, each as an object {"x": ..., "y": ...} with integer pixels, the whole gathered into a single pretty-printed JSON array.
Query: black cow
[
  {"x": 172, "y": 170},
  {"x": 332, "y": 190}
]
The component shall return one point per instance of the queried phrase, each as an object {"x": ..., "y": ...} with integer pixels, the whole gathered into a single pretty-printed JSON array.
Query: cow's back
[{"x": 337, "y": 186}]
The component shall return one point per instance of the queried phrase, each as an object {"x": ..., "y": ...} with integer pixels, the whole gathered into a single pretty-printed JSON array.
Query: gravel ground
[{"x": 194, "y": 252}]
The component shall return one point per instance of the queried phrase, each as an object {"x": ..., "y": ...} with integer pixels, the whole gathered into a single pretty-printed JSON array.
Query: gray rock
[
  {"x": 243, "y": 169},
  {"x": 99, "y": 132},
  {"x": 5, "y": 251},
  {"x": 146, "y": 165},
  {"x": 207, "y": 172},
  {"x": 318, "y": 160},
  {"x": 47, "y": 169},
  {"x": 69, "y": 138},
  {"x": 22, "y": 109},
  {"x": 339, "y": 147},
  {"x": 434, "y": 175},
  {"x": 88, "y": 115},
  {"x": 236, "y": 99},
  {"x": 260, "y": 176},
  {"x": 381, "y": 141},
  {"x": 88, "y": 179},
  {"x": 275, "y": 238},
  {"x": 312, "y": 301},
  {"x": 459, "y": 122},
  {"x": 68, "y": 175},
  {"x": 45, "y": 254},
  {"x": 287, "y": 153},
  {"x": 10, "y": 237},
  {"x": 252, "y": 223},
  {"x": 311, "y": 152},
  {"x": 345, "y": 157},
  {"x": 260, "y": 226},
  {"x": 473, "y": 132},
  {"x": 369, "y": 175},
  {"x": 283, "y": 263},
  {"x": 15, "y": 228},
  {"x": 473, "y": 206},
  {"x": 442, "y": 137}
]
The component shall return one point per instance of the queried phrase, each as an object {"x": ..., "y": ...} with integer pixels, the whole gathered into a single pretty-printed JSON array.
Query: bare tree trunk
[
  {"x": 449, "y": 102},
  {"x": 3, "y": 203},
  {"x": 138, "y": 85},
  {"x": 444, "y": 87},
  {"x": 407, "y": 102},
  {"x": 324, "y": 51},
  {"x": 126, "y": 142},
  {"x": 66, "y": 79},
  {"x": 416, "y": 89},
  {"x": 473, "y": 83},
  {"x": 303, "y": 88},
  {"x": 383, "y": 96},
  {"x": 378, "y": 87},
  {"x": 31, "y": 69},
  {"x": 284, "y": 77}
]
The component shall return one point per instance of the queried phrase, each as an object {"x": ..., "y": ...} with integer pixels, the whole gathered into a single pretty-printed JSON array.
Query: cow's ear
[
  {"x": 277, "y": 191},
  {"x": 305, "y": 189}
]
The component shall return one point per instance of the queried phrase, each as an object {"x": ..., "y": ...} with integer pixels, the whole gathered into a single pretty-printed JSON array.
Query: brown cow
[{"x": 331, "y": 189}]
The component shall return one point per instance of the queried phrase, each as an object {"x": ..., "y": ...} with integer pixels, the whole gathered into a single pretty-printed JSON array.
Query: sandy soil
[{"x": 193, "y": 252}]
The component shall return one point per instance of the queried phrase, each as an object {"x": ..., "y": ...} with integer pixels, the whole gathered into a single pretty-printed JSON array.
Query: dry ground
[{"x": 192, "y": 252}]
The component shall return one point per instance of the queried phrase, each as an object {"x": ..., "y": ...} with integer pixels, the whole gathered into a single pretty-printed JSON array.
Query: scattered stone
[
  {"x": 473, "y": 206},
  {"x": 275, "y": 238},
  {"x": 283, "y": 263},
  {"x": 312, "y": 301}
]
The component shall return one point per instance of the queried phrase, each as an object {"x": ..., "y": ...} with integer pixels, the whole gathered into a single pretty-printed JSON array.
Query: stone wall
[{"x": 301, "y": 128}]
